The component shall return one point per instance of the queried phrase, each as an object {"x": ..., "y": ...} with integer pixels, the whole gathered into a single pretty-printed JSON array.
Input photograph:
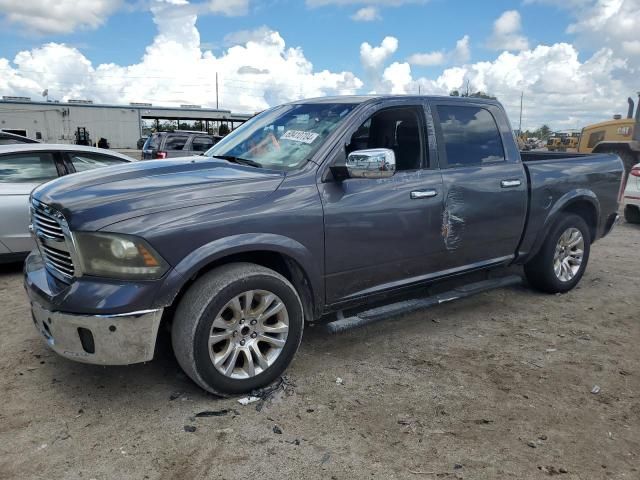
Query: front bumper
[{"x": 119, "y": 339}]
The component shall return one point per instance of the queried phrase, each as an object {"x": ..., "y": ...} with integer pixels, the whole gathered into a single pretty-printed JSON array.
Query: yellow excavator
[{"x": 620, "y": 136}]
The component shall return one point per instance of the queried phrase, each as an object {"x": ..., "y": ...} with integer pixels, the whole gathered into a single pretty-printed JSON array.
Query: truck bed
[
  {"x": 530, "y": 156},
  {"x": 555, "y": 177}
]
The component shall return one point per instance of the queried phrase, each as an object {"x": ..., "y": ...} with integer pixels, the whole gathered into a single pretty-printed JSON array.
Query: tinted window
[
  {"x": 175, "y": 142},
  {"x": 397, "y": 129},
  {"x": 88, "y": 161},
  {"x": 595, "y": 138},
  {"x": 201, "y": 144},
  {"x": 471, "y": 136},
  {"x": 27, "y": 167}
]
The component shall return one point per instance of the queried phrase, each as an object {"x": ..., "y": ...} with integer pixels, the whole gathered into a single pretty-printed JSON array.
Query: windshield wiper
[{"x": 238, "y": 160}]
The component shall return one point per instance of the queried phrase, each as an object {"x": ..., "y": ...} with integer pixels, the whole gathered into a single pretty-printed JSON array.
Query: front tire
[
  {"x": 237, "y": 328},
  {"x": 563, "y": 257}
]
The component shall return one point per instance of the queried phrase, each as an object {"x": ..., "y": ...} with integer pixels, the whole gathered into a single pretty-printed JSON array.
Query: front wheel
[
  {"x": 237, "y": 328},
  {"x": 563, "y": 257}
]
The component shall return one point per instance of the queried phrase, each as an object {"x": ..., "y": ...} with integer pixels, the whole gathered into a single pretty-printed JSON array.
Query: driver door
[{"x": 381, "y": 234}]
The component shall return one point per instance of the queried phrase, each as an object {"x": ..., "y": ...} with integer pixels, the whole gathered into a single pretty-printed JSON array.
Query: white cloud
[
  {"x": 61, "y": 16},
  {"x": 383, "y": 3},
  {"x": 427, "y": 59},
  {"x": 374, "y": 57},
  {"x": 230, "y": 8},
  {"x": 366, "y": 14},
  {"x": 261, "y": 72},
  {"x": 559, "y": 89},
  {"x": 506, "y": 33},
  {"x": 460, "y": 54}
]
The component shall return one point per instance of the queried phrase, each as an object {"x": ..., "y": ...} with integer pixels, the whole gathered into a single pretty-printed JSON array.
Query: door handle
[
  {"x": 510, "y": 183},
  {"x": 418, "y": 194}
]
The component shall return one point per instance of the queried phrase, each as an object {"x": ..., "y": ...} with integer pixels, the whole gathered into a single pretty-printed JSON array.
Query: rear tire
[
  {"x": 237, "y": 328},
  {"x": 555, "y": 268},
  {"x": 632, "y": 214}
]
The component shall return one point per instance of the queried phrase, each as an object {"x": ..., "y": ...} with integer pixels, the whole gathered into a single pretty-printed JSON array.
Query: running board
[{"x": 368, "y": 317}]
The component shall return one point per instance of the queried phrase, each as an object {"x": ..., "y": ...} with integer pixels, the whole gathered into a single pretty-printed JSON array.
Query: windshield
[{"x": 283, "y": 137}]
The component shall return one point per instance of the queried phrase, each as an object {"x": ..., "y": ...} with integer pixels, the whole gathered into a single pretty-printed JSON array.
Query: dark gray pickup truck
[{"x": 310, "y": 211}]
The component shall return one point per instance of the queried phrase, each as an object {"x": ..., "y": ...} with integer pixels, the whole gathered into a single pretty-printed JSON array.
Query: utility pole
[
  {"x": 520, "y": 124},
  {"x": 419, "y": 90},
  {"x": 217, "y": 104}
]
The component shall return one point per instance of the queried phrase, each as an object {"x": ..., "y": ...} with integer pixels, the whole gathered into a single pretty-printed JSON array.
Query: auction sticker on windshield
[{"x": 299, "y": 136}]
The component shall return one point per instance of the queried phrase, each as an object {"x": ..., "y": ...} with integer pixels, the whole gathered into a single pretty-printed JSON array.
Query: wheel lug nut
[
  {"x": 242, "y": 342},
  {"x": 254, "y": 335},
  {"x": 241, "y": 321},
  {"x": 254, "y": 321},
  {"x": 235, "y": 334}
]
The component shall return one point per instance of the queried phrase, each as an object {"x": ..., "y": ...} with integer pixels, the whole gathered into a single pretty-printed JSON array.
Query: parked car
[
  {"x": 631, "y": 197},
  {"x": 7, "y": 138},
  {"x": 141, "y": 142},
  {"x": 180, "y": 143},
  {"x": 25, "y": 166},
  {"x": 312, "y": 211}
]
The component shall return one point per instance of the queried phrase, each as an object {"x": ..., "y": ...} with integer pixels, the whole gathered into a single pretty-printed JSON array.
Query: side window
[
  {"x": 32, "y": 167},
  {"x": 399, "y": 129},
  {"x": 175, "y": 142},
  {"x": 470, "y": 136},
  {"x": 88, "y": 161},
  {"x": 201, "y": 144},
  {"x": 595, "y": 138}
]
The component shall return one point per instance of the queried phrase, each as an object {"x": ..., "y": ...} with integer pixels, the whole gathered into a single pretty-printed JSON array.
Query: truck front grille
[{"x": 53, "y": 240}]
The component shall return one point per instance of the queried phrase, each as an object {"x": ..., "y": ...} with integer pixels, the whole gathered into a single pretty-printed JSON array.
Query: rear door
[
  {"x": 20, "y": 173},
  {"x": 485, "y": 188}
]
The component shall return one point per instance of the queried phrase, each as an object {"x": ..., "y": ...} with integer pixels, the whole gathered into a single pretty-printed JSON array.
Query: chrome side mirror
[{"x": 371, "y": 163}]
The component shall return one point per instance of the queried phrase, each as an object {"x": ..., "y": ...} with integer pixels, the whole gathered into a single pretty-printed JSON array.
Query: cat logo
[{"x": 624, "y": 131}]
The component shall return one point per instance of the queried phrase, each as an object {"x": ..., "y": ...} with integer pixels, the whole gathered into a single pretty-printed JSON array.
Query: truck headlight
[{"x": 118, "y": 256}]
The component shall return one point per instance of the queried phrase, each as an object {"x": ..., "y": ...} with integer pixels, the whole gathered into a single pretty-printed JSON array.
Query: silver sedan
[{"x": 25, "y": 166}]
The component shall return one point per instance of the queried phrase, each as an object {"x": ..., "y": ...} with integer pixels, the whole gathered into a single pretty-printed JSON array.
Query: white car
[
  {"x": 631, "y": 196},
  {"x": 25, "y": 166}
]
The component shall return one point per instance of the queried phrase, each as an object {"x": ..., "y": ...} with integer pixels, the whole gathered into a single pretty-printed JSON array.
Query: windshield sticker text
[{"x": 299, "y": 136}]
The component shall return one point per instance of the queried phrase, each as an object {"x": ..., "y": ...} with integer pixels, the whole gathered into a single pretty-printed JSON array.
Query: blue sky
[
  {"x": 576, "y": 56},
  {"x": 327, "y": 34}
]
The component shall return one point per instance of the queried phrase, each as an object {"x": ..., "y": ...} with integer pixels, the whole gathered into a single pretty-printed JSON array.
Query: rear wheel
[
  {"x": 560, "y": 263},
  {"x": 237, "y": 328},
  {"x": 632, "y": 214}
]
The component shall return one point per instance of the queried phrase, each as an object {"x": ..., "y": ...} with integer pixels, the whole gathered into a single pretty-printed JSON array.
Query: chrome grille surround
[{"x": 54, "y": 240}]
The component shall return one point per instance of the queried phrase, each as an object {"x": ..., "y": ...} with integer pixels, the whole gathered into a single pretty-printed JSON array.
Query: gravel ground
[{"x": 494, "y": 386}]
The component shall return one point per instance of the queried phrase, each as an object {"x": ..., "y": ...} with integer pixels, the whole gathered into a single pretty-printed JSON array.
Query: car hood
[{"x": 94, "y": 199}]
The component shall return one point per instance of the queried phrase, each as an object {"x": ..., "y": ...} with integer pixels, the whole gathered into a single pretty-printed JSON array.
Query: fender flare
[
  {"x": 568, "y": 199},
  {"x": 236, "y": 244}
]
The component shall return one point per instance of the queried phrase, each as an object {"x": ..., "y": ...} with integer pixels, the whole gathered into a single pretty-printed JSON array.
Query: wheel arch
[
  {"x": 583, "y": 203},
  {"x": 282, "y": 254}
]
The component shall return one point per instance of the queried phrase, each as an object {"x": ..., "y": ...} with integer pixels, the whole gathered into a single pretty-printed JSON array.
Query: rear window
[
  {"x": 32, "y": 167},
  {"x": 470, "y": 135},
  {"x": 201, "y": 144},
  {"x": 175, "y": 142}
]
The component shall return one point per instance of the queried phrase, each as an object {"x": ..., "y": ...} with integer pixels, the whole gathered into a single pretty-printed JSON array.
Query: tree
[
  {"x": 544, "y": 132},
  {"x": 224, "y": 129},
  {"x": 454, "y": 93}
]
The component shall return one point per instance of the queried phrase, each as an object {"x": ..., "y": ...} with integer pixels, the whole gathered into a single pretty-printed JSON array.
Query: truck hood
[{"x": 94, "y": 199}]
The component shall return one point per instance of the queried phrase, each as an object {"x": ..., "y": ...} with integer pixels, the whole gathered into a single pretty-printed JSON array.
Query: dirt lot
[{"x": 495, "y": 386}]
